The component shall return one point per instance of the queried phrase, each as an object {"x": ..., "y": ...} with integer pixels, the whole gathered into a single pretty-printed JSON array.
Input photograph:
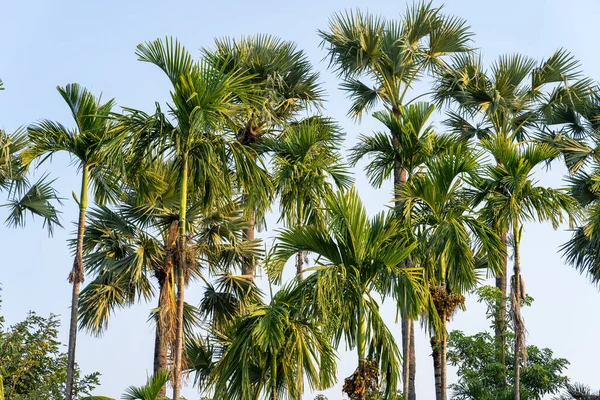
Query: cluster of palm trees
[{"x": 178, "y": 193}]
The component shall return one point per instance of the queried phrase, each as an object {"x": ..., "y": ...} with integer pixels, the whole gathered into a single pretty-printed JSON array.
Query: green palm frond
[
  {"x": 150, "y": 390},
  {"x": 380, "y": 59}
]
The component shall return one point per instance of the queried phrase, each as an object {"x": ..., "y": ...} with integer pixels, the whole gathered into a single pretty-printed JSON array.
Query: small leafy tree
[
  {"x": 482, "y": 375},
  {"x": 31, "y": 364}
]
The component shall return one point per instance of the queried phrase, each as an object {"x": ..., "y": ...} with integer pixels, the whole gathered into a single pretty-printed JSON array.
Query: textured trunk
[
  {"x": 299, "y": 265},
  {"x": 160, "y": 339},
  {"x": 249, "y": 265},
  {"x": 408, "y": 348},
  {"x": 500, "y": 323},
  {"x": 273, "y": 377},
  {"x": 180, "y": 273},
  {"x": 361, "y": 345},
  {"x": 412, "y": 364},
  {"x": 517, "y": 311},
  {"x": 405, "y": 327},
  {"x": 437, "y": 366},
  {"x": 443, "y": 367},
  {"x": 76, "y": 277}
]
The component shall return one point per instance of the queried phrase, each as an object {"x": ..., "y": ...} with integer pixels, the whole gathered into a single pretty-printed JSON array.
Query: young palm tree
[
  {"x": 204, "y": 101},
  {"x": 287, "y": 84},
  {"x": 516, "y": 98},
  {"x": 89, "y": 145},
  {"x": 272, "y": 349},
  {"x": 379, "y": 60},
  {"x": 150, "y": 391},
  {"x": 512, "y": 198},
  {"x": 24, "y": 197},
  {"x": 306, "y": 166},
  {"x": 452, "y": 241},
  {"x": 357, "y": 257}
]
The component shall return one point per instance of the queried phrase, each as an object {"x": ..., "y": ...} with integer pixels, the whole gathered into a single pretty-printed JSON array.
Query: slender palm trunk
[
  {"x": 160, "y": 339},
  {"x": 444, "y": 366},
  {"x": 500, "y": 323},
  {"x": 361, "y": 344},
  {"x": 412, "y": 364},
  {"x": 178, "y": 364},
  {"x": 249, "y": 266},
  {"x": 436, "y": 354},
  {"x": 273, "y": 377},
  {"x": 409, "y": 363},
  {"x": 516, "y": 299},
  {"x": 76, "y": 278}
]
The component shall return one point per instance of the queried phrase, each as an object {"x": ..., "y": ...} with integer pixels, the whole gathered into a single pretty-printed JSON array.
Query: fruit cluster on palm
[{"x": 178, "y": 193}]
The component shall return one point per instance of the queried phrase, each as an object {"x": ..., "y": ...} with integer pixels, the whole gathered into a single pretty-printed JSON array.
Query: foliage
[
  {"x": 578, "y": 391},
  {"x": 481, "y": 375},
  {"x": 32, "y": 364}
]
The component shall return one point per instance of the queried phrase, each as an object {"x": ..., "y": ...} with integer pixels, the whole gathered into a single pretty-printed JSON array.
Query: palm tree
[
  {"x": 516, "y": 98},
  {"x": 578, "y": 141},
  {"x": 452, "y": 241},
  {"x": 306, "y": 166},
  {"x": 379, "y": 61},
  {"x": 23, "y": 196},
  {"x": 411, "y": 141},
  {"x": 89, "y": 145},
  {"x": 151, "y": 390},
  {"x": 512, "y": 198},
  {"x": 130, "y": 245},
  {"x": 356, "y": 257},
  {"x": 287, "y": 84},
  {"x": 272, "y": 348},
  {"x": 578, "y": 391},
  {"x": 205, "y": 101}
]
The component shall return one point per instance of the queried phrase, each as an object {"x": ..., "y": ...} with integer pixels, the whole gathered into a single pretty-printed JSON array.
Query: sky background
[{"x": 48, "y": 43}]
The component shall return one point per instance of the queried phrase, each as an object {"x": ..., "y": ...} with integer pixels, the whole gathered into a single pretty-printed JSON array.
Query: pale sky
[{"x": 48, "y": 43}]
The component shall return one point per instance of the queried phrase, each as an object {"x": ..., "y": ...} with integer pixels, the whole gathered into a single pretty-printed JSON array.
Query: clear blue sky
[{"x": 48, "y": 43}]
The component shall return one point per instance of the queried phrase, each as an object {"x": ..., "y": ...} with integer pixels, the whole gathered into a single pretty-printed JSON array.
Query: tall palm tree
[
  {"x": 90, "y": 145},
  {"x": 379, "y": 60},
  {"x": 306, "y": 166},
  {"x": 516, "y": 98},
  {"x": 357, "y": 258},
  {"x": 24, "y": 197},
  {"x": 287, "y": 85},
  {"x": 511, "y": 198},
  {"x": 452, "y": 240},
  {"x": 409, "y": 142},
  {"x": 578, "y": 141},
  {"x": 129, "y": 246},
  {"x": 205, "y": 101},
  {"x": 272, "y": 349}
]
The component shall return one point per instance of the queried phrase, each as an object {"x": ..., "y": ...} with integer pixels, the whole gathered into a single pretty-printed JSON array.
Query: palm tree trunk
[
  {"x": 408, "y": 348},
  {"x": 436, "y": 354},
  {"x": 516, "y": 299},
  {"x": 160, "y": 339},
  {"x": 249, "y": 266},
  {"x": 273, "y": 377},
  {"x": 412, "y": 364},
  {"x": 444, "y": 366},
  {"x": 76, "y": 277},
  {"x": 361, "y": 345},
  {"x": 500, "y": 323},
  {"x": 178, "y": 364}
]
